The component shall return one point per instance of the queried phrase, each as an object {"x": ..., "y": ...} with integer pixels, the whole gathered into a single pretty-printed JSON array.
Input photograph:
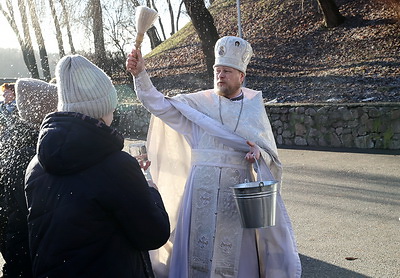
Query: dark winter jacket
[
  {"x": 91, "y": 211},
  {"x": 17, "y": 148}
]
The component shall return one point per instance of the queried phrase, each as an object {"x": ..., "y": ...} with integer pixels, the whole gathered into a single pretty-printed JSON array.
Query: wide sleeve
[{"x": 159, "y": 105}]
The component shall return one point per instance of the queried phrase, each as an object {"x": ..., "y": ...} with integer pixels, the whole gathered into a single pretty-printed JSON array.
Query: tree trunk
[
  {"x": 152, "y": 33},
  {"x": 159, "y": 22},
  {"x": 135, "y": 3},
  {"x": 11, "y": 20},
  {"x": 203, "y": 23},
  {"x": 332, "y": 16},
  {"x": 179, "y": 13},
  {"x": 27, "y": 48},
  {"x": 98, "y": 34},
  {"x": 154, "y": 37},
  {"x": 171, "y": 14},
  {"x": 69, "y": 34},
  {"x": 60, "y": 43},
  {"x": 44, "y": 59}
]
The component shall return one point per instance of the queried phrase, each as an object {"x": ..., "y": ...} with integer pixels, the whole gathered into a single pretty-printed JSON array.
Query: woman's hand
[
  {"x": 254, "y": 152},
  {"x": 143, "y": 162},
  {"x": 135, "y": 62},
  {"x": 152, "y": 184}
]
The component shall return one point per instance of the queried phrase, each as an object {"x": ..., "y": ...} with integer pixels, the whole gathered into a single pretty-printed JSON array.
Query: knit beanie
[
  {"x": 84, "y": 88},
  {"x": 233, "y": 52},
  {"x": 35, "y": 98}
]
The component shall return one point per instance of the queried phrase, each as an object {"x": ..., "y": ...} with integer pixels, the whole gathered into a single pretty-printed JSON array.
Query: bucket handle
[{"x": 258, "y": 170}]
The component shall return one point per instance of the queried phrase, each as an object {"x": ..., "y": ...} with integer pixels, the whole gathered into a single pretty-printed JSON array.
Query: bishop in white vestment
[{"x": 200, "y": 145}]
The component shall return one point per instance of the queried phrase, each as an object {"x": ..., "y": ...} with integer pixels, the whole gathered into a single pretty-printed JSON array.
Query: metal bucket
[{"x": 256, "y": 202}]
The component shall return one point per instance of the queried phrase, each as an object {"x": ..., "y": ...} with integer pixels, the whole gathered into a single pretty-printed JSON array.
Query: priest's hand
[
  {"x": 254, "y": 152},
  {"x": 135, "y": 62}
]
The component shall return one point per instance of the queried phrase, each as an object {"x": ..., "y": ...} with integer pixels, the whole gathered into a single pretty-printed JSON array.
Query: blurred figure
[
  {"x": 91, "y": 211},
  {"x": 7, "y": 105},
  {"x": 34, "y": 99}
]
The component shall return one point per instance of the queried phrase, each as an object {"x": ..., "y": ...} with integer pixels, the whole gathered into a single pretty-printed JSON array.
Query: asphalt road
[{"x": 345, "y": 209}]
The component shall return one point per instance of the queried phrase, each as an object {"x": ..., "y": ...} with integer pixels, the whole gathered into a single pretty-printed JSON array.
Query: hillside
[{"x": 296, "y": 59}]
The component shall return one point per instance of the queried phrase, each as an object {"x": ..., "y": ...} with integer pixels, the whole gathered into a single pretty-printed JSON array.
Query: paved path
[{"x": 344, "y": 205}]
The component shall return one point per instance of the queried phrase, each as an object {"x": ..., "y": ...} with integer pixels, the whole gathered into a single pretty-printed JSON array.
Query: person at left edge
[
  {"x": 91, "y": 211},
  {"x": 34, "y": 99},
  {"x": 8, "y": 107}
]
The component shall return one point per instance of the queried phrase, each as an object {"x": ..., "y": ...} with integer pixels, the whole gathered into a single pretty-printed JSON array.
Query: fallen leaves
[{"x": 295, "y": 59}]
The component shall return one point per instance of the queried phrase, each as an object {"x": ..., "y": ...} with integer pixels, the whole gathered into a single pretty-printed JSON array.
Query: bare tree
[
  {"x": 98, "y": 33},
  {"x": 159, "y": 21},
  {"x": 179, "y": 13},
  {"x": 135, "y": 3},
  {"x": 44, "y": 59},
  {"x": 171, "y": 14},
  {"x": 28, "y": 47},
  {"x": 67, "y": 24},
  {"x": 152, "y": 32},
  {"x": 60, "y": 43},
  {"x": 23, "y": 38},
  {"x": 203, "y": 23},
  {"x": 332, "y": 16},
  {"x": 119, "y": 27}
]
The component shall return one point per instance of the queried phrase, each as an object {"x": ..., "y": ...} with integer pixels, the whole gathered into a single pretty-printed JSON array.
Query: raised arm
[{"x": 155, "y": 101}]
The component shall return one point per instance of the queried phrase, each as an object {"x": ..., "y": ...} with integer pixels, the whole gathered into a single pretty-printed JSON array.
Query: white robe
[{"x": 195, "y": 160}]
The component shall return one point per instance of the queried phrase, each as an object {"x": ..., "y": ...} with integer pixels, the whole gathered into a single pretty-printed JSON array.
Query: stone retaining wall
[{"x": 364, "y": 126}]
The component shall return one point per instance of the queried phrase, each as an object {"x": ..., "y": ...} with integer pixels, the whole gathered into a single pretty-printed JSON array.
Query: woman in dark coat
[
  {"x": 91, "y": 211},
  {"x": 35, "y": 99},
  {"x": 17, "y": 149}
]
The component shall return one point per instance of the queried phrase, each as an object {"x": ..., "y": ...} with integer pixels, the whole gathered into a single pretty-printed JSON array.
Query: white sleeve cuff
[{"x": 143, "y": 82}]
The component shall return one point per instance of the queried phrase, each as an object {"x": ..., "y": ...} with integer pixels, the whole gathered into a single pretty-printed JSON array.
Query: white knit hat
[
  {"x": 84, "y": 88},
  {"x": 233, "y": 52},
  {"x": 35, "y": 98}
]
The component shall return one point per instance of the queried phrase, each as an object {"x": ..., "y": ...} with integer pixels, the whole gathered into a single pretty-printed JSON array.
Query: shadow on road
[
  {"x": 341, "y": 150},
  {"x": 313, "y": 268}
]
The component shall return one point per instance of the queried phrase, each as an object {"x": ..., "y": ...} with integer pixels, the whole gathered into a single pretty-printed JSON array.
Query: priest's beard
[{"x": 227, "y": 90}]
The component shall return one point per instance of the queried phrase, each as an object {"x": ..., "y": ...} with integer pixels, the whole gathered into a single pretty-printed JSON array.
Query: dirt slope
[{"x": 296, "y": 59}]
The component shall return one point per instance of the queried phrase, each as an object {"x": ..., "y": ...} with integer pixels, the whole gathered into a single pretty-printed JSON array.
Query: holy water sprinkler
[{"x": 145, "y": 17}]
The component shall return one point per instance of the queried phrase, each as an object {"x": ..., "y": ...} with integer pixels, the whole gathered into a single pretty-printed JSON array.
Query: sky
[
  {"x": 14, "y": 67},
  {"x": 9, "y": 40}
]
